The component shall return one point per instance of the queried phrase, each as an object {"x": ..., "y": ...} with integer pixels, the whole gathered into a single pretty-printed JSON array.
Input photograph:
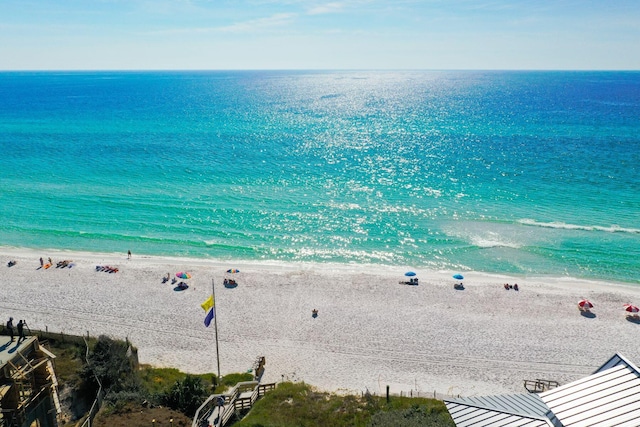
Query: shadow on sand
[
  {"x": 588, "y": 314},
  {"x": 633, "y": 319}
]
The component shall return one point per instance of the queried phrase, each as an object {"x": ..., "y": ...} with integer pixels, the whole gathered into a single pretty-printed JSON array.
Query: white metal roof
[
  {"x": 616, "y": 360},
  {"x": 522, "y": 410},
  {"x": 608, "y": 398}
]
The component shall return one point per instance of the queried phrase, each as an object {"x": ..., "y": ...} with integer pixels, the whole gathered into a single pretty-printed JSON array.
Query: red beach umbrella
[
  {"x": 585, "y": 303},
  {"x": 631, "y": 308}
]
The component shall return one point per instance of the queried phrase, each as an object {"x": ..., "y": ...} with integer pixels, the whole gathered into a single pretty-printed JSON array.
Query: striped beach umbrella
[
  {"x": 631, "y": 308},
  {"x": 585, "y": 304},
  {"x": 183, "y": 275}
]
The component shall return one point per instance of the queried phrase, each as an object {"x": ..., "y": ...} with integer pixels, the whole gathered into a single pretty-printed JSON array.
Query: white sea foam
[
  {"x": 493, "y": 242},
  {"x": 563, "y": 225}
]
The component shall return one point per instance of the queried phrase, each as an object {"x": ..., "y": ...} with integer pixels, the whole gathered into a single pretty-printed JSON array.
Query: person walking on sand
[
  {"x": 10, "y": 327},
  {"x": 41, "y": 262},
  {"x": 128, "y": 254},
  {"x": 20, "y": 327}
]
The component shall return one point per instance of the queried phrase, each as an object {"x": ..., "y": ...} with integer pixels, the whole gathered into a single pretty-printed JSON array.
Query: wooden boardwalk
[{"x": 218, "y": 409}]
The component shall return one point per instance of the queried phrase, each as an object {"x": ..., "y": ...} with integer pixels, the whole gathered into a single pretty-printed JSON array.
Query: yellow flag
[{"x": 208, "y": 303}]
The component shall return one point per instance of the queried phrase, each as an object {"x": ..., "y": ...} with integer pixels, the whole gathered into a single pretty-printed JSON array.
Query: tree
[{"x": 109, "y": 364}]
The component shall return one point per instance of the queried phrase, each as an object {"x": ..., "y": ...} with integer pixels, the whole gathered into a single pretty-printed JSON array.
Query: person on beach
[
  {"x": 128, "y": 254},
  {"x": 20, "y": 327},
  {"x": 50, "y": 262},
  {"x": 10, "y": 327},
  {"x": 41, "y": 262}
]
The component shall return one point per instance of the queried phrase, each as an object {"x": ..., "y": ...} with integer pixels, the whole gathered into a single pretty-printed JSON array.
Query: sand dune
[{"x": 370, "y": 332}]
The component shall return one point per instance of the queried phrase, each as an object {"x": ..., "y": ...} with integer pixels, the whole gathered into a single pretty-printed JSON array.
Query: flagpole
[{"x": 215, "y": 325}]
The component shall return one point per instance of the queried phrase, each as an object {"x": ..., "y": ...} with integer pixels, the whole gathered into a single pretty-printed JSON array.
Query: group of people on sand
[
  {"x": 47, "y": 265},
  {"x": 59, "y": 264},
  {"x": 106, "y": 268},
  {"x": 229, "y": 282},
  {"x": 181, "y": 284},
  {"x": 64, "y": 263},
  {"x": 20, "y": 327},
  {"x": 514, "y": 287}
]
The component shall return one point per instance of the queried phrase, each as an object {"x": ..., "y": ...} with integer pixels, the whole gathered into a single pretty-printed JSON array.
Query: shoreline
[
  {"x": 26, "y": 252},
  {"x": 370, "y": 332}
]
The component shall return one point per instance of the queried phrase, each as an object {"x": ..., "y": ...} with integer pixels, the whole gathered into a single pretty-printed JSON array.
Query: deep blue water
[{"x": 509, "y": 172}]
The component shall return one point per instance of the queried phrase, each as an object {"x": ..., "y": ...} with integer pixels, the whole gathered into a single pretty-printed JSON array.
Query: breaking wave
[{"x": 565, "y": 226}]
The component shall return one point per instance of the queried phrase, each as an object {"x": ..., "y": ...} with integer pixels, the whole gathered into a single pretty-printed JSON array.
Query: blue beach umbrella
[
  {"x": 458, "y": 276},
  {"x": 409, "y": 274}
]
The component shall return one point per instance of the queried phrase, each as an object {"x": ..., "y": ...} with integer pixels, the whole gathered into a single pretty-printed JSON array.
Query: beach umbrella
[
  {"x": 410, "y": 274},
  {"x": 183, "y": 275},
  {"x": 233, "y": 270},
  {"x": 631, "y": 308},
  {"x": 586, "y": 304},
  {"x": 458, "y": 276}
]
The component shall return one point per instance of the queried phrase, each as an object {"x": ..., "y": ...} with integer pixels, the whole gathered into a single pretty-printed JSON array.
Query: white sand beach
[{"x": 370, "y": 331}]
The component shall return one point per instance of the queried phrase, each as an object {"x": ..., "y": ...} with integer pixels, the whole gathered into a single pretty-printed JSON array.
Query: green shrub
[
  {"x": 230, "y": 380},
  {"x": 186, "y": 395}
]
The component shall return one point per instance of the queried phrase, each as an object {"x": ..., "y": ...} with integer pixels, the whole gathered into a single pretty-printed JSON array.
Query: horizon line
[{"x": 316, "y": 69}]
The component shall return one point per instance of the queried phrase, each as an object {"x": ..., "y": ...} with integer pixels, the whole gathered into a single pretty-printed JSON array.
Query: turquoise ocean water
[{"x": 508, "y": 172}]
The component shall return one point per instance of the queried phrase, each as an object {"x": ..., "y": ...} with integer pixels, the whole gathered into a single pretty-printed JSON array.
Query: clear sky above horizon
[{"x": 307, "y": 34}]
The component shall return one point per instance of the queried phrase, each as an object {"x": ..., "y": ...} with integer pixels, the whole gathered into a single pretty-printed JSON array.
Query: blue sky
[{"x": 305, "y": 34}]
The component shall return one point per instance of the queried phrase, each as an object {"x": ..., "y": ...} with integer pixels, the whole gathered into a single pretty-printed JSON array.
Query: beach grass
[
  {"x": 299, "y": 404},
  {"x": 160, "y": 380}
]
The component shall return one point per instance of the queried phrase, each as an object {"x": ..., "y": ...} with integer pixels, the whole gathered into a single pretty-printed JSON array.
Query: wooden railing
[{"x": 238, "y": 399}]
